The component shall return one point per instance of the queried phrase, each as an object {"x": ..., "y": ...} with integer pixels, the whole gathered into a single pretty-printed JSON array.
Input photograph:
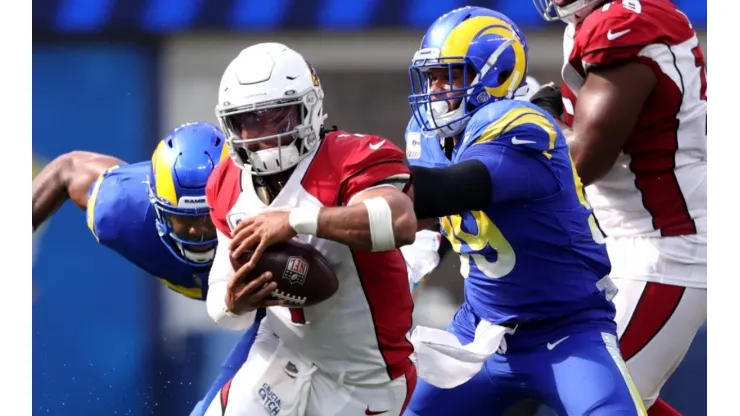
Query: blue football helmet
[
  {"x": 181, "y": 165},
  {"x": 490, "y": 50}
]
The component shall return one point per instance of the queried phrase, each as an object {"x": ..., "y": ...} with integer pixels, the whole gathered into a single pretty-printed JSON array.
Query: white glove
[{"x": 422, "y": 256}]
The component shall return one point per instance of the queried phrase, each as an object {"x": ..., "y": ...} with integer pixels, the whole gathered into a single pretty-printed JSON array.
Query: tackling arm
[
  {"x": 69, "y": 176},
  {"x": 489, "y": 173},
  {"x": 461, "y": 187}
]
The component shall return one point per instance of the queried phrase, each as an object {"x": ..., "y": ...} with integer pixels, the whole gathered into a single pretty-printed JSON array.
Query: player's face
[
  {"x": 440, "y": 84},
  {"x": 563, "y": 3},
  {"x": 265, "y": 123},
  {"x": 193, "y": 229}
]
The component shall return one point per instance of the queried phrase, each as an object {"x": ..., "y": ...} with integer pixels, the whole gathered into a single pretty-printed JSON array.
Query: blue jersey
[
  {"x": 536, "y": 251},
  {"x": 121, "y": 217},
  {"x": 423, "y": 150}
]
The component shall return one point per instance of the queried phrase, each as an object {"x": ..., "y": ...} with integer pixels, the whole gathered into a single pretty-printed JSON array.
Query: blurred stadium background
[{"x": 113, "y": 76}]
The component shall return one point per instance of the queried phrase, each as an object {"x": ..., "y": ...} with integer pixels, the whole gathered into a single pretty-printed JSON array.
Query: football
[{"x": 303, "y": 275}]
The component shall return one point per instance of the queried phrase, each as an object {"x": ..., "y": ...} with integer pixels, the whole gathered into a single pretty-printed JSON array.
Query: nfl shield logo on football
[
  {"x": 296, "y": 270},
  {"x": 291, "y": 370}
]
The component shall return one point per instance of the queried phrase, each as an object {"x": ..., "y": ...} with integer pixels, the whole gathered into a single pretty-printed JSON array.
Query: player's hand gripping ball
[{"x": 303, "y": 275}]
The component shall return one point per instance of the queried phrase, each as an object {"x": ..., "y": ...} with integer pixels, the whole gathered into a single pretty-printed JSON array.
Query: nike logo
[
  {"x": 373, "y": 412},
  {"x": 517, "y": 141},
  {"x": 551, "y": 345},
  {"x": 616, "y": 35},
  {"x": 376, "y": 146}
]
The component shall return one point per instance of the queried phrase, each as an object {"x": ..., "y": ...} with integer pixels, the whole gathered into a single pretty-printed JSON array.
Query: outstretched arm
[
  {"x": 489, "y": 173},
  {"x": 69, "y": 176}
]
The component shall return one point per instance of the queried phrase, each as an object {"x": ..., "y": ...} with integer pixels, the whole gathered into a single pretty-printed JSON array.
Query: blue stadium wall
[
  {"x": 93, "y": 318},
  {"x": 168, "y": 16},
  {"x": 96, "y": 339}
]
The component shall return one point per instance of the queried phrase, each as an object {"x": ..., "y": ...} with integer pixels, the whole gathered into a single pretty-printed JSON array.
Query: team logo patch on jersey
[
  {"x": 296, "y": 270},
  {"x": 413, "y": 145}
]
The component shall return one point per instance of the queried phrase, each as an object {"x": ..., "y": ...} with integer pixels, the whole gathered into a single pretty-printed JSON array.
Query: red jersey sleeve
[
  {"x": 364, "y": 161},
  {"x": 222, "y": 192},
  {"x": 617, "y": 33}
]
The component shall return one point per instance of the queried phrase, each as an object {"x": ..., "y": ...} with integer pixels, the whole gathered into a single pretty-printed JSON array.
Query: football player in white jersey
[
  {"x": 634, "y": 108},
  {"x": 344, "y": 194}
]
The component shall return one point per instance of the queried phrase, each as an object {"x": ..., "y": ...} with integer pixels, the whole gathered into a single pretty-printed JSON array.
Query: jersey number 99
[{"x": 487, "y": 234}]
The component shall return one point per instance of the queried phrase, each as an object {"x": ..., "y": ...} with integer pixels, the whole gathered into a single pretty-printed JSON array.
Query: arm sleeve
[
  {"x": 451, "y": 190},
  {"x": 218, "y": 278}
]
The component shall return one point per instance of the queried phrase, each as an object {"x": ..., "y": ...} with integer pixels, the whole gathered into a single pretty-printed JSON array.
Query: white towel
[{"x": 441, "y": 360}]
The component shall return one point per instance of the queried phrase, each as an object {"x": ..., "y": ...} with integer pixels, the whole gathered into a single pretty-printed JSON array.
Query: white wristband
[
  {"x": 381, "y": 223},
  {"x": 229, "y": 313},
  {"x": 305, "y": 220}
]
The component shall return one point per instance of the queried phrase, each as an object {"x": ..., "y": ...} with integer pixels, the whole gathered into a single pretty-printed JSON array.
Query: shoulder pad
[
  {"x": 117, "y": 195},
  {"x": 619, "y": 30},
  {"x": 222, "y": 192},
  {"x": 515, "y": 124}
]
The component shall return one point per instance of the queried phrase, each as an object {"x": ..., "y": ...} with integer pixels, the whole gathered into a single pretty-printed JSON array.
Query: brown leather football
[{"x": 303, "y": 275}]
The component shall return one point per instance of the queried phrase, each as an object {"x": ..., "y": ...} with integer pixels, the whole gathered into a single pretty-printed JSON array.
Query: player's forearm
[
  {"x": 427, "y": 224},
  {"x": 452, "y": 190},
  {"x": 570, "y": 137},
  {"x": 588, "y": 174},
  {"x": 69, "y": 176},
  {"x": 567, "y": 131},
  {"x": 589, "y": 167},
  {"x": 368, "y": 225},
  {"x": 590, "y": 163},
  {"x": 49, "y": 191}
]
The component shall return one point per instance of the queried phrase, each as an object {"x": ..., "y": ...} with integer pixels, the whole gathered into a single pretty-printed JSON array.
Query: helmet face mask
[
  {"x": 270, "y": 108},
  {"x": 175, "y": 226},
  {"x": 271, "y": 137},
  {"x": 442, "y": 111},
  {"x": 180, "y": 168}
]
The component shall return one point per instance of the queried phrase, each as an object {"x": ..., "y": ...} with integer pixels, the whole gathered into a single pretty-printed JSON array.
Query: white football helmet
[
  {"x": 271, "y": 92},
  {"x": 573, "y": 12}
]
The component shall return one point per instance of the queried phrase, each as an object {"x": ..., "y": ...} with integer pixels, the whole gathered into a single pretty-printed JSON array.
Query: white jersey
[
  {"x": 657, "y": 186},
  {"x": 359, "y": 334}
]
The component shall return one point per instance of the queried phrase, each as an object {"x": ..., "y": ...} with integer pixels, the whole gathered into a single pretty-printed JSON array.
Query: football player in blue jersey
[
  {"x": 424, "y": 255},
  {"x": 537, "y": 321},
  {"x": 153, "y": 213}
]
